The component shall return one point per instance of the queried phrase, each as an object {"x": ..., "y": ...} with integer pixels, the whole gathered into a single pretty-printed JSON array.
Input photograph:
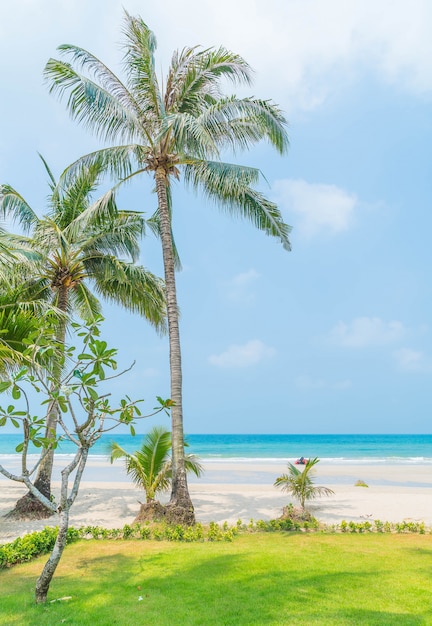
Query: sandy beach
[{"x": 229, "y": 491}]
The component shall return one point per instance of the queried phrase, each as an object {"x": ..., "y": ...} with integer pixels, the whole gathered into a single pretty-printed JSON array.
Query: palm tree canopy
[
  {"x": 150, "y": 467},
  {"x": 184, "y": 126},
  {"x": 79, "y": 241}
]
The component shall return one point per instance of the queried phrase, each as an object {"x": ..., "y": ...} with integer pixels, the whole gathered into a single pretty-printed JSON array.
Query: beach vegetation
[
  {"x": 176, "y": 128},
  {"x": 259, "y": 578},
  {"x": 300, "y": 483},
  {"x": 85, "y": 414},
  {"x": 81, "y": 247},
  {"x": 32, "y": 545},
  {"x": 150, "y": 467}
]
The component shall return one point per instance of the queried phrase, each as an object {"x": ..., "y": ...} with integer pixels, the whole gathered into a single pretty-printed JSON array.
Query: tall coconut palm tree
[
  {"x": 179, "y": 127},
  {"x": 150, "y": 467},
  {"x": 80, "y": 247}
]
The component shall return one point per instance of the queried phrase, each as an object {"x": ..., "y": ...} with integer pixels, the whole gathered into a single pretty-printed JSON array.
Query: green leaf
[
  {"x": 16, "y": 393},
  {"x": 15, "y": 422},
  {"x": 20, "y": 447},
  {"x": 4, "y": 385},
  {"x": 132, "y": 430},
  {"x": 92, "y": 393}
]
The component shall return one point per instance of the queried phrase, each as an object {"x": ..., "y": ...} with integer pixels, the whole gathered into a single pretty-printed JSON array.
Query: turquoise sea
[{"x": 338, "y": 449}]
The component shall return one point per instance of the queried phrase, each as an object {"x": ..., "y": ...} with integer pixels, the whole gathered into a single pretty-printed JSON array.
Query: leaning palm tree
[
  {"x": 150, "y": 467},
  {"x": 179, "y": 127},
  {"x": 299, "y": 483},
  {"x": 80, "y": 247}
]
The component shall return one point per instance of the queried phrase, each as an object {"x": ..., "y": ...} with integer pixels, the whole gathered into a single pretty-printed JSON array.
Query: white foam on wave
[
  {"x": 219, "y": 460},
  {"x": 323, "y": 460}
]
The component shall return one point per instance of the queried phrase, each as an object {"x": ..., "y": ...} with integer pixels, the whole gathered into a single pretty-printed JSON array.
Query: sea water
[{"x": 338, "y": 449}]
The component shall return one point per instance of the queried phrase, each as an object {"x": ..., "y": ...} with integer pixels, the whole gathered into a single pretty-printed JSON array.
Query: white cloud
[
  {"x": 308, "y": 383},
  {"x": 248, "y": 354},
  {"x": 245, "y": 278},
  {"x": 412, "y": 360},
  {"x": 302, "y": 50},
  {"x": 366, "y": 331},
  {"x": 318, "y": 207},
  {"x": 240, "y": 286}
]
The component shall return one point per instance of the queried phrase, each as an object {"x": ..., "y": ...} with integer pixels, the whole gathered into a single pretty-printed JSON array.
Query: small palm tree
[
  {"x": 150, "y": 467},
  {"x": 299, "y": 483}
]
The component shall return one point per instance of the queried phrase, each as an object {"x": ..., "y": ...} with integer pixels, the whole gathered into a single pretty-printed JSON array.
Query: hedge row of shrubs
[
  {"x": 37, "y": 543},
  {"x": 32, "y": 545},
  {"x": 163, "y": 532},
  {"x": 383, "y": 527}
]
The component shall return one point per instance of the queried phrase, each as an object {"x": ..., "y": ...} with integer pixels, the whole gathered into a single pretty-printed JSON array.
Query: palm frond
[
  {"x": 132, "y": 286},
  {"x": 189, "y": 135},
  {"x": 92, "y": 219},
  {"x": 105, "y": 235},
  {"x": 84, "y": 302},
  {"x": 13, "y": 205},
  {"x": 72, "y": 196},
  {"x": 89, "y": 103},
  {"x": 219, "y": 184},
  {"x": 193, "y": 465},
  {"x": 118, "y": 161},
  {"x": 140, "y": 46},
  {"x": 194, "y": 76},
  {"x": 51, "y": 177},
  {"x": 240, "y": 123}
]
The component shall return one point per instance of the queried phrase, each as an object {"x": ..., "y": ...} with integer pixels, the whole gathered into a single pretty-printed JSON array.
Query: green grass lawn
[{"x": 257, "y": 580}]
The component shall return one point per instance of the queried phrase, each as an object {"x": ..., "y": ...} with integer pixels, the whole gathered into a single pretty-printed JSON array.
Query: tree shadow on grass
[
  {"x": 216, "y": 586},
  {"x": 229, "y": 595}
]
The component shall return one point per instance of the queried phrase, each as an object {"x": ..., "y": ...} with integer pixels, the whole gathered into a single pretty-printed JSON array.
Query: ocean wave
[
  {"x": 323, "y": 460},
  {"x": 220, "y": 459}
]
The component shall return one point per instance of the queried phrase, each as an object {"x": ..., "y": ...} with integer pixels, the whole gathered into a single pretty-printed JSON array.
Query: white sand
[{"x": 231, "y": 491}]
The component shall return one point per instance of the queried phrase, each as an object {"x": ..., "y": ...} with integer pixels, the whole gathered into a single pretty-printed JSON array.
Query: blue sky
[{"x": 334, "y": 336}]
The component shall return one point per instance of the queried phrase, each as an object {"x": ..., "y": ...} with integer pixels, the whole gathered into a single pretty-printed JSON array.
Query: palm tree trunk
[
  {"x": 180, "y": 502},
  {"x": 43, "y": 479}
]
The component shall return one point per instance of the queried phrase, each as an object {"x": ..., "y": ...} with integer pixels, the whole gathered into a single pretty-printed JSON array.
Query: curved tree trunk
[
  {"x": 44, "y": 580},
  {"x": 66, "y": 501},
  {"x": 180, "y": 505},
  {"x": 29, "y": 507}
]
